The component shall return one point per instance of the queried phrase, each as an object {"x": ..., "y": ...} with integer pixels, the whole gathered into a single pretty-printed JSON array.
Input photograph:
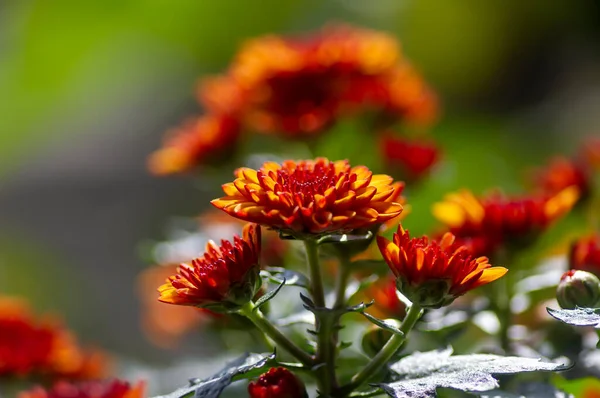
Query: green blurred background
[{"x": 88, "y": 87}]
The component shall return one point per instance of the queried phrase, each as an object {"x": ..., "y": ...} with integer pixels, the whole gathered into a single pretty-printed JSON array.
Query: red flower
[
  {"x": 96, "y": 389},
  {"x": 387, "y": 304},
  {"x": 562, "y": 173},
  {"x": 225, "y": 278},
  {"x": 311, "y": 196},
  {"x": 413, "y": 159},
  {"x": 495, "y": 219},
  {"x": 198, "y": 141},
  {"x": 277, "y": 383},
  {"x": 585, "y": 255},
  {"x": 41, "y": 347},
  {"x": 432, "y": 274}
]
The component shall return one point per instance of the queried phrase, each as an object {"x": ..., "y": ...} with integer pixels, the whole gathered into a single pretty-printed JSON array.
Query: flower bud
[
  {"x": 578, "y": 289},
  {"x": 277, "y": 383},
  {"x": 375, "y": 338}
]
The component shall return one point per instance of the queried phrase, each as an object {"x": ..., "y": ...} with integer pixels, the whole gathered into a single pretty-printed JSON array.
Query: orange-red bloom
[
  {"x": 198, "y": 141},
  {"x": 562, "y": 173},
  {"x": 387, "y": 304},
  {"x": 31, "y": 347},
  {"x": 277, "y": 383},
  {"x": 411, "y": 158},
  {"x": 585, "y": 255},
  {"x": 495, "y": 219},
  {"x": 94, "y": 389},
  {"x": 432, "y": 274},
  {"x": 225, "y": 278},
  {"x": 311, "y": 196}
]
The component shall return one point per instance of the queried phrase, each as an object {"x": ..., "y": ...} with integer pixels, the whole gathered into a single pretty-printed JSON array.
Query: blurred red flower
[
  {"x": 585, "y": 255},
  {"x": 412, "y": 159},
  {"x": 562, "y": 173},
  {"x": 277, "y": 383},
  {"x": 93, "y": 389}
]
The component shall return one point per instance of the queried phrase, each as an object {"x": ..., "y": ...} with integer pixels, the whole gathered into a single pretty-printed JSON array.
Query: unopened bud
[
  {"x": 277, "y": 383},
  {"x": 578, "y": 289}
]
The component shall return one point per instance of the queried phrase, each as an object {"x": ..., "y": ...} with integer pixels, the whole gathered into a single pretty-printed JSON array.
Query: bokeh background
[{"x": 88, "y": 88}]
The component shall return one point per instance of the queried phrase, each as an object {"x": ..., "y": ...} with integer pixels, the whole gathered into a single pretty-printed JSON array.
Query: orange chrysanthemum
[
  {"x": 432, "y": 274},
  {"x": 225, "y": 278},
  {"x": 585, "y": 255},
  {"x": 495, "y": 219},
  {"x": 413, "y": 159},
  {"x": 95, "y": 389},
  {"x": 562, "y": 173},
  {"x": 42, "y": 347},
  {"x": 311, "y": 196},
  {"x": 197, "y": 141}
]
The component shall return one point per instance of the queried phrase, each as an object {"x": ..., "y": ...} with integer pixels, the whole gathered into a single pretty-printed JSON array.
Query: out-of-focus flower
[
  {"x": 578, "y": 289},
  {"x": 92, "y": 389},
  {"x": 562, "y": 173},
  {"x": 311, "y": 196},
  {"x": 197, "y": 141},
  {"x": 496, "y": 219},
  {"x": 585, "y": 255},
  {"x": 590, "y": 152},
  {"x": 387, "y": 304},
  {"x": 412, "y": 159},
  {"x": 432, "y": 274},
  {"x": 224, "y": 279},
  {"x": 277, "y": 383},
  {"x": 32, "y": 347},
  {"x": 298, "y": 86}
]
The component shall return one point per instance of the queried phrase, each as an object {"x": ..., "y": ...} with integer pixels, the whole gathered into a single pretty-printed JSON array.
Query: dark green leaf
[
  {"x": 268, "y": 296},
  {"x": 340, "y": 238},
  {"x": 247, "y": 366},
  {"x": 423, "y": 372},
  {"x": 578, "y": 316},
  {"x": 386, "y": 325},
  {"x": 291, "y": 278}
]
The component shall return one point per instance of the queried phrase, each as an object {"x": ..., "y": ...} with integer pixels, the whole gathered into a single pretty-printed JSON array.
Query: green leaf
[
  {"x": 340, "y": 238},
  {"x": 248, "y": 366},
  {"x": 384, "y": 324},
  {"x": 578, "y": 317},
  {"x": 423, "y": 372},
  {"x": 291, "y": 278},
  {"x": 268, "y": 296}
]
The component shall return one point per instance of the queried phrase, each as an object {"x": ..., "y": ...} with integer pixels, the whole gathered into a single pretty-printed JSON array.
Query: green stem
[
  {"x": 312, "y": 256},
  {"x": 503, "y": 297},
  {"x": 264, "y": 325},
  {"x": 386, "y": 353},
  {"x": 342, "y": 281}
]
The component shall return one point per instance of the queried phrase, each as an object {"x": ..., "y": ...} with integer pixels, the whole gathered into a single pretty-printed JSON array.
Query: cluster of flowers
[{"x": 297, "y": 87}]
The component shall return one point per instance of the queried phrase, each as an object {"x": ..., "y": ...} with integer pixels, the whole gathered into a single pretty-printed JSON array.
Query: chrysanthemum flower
[
  {"x": 496, "y": 218},
  {"x": 412, "y": 158},
  {"x": 432, "y": 274},
  {"x": 311, "y": 196},
  {"x": 32, "y": 347},
  {"x": 277, "y": 383},
  {"x": 585, "y": 255},
  {"x": 94, "y": 389},
  {"x": 562, "y": 173},
  {"x": 197, "y": 141},
  {"x": 225, "y": 278}
]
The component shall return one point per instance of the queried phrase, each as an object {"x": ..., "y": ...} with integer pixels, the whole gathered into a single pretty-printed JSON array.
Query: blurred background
[{"x": 88, "y": 89}]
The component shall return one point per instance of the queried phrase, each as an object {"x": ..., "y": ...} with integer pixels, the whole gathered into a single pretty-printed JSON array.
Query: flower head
[
  {"x": 196, "y": 142},
  {"x": 578, "y": 289},
  {"x": 413, "y": 159},
  {"x": 585, "y": 255},
  {"x": 311, "y": 196},
  {"x": 432, "y": 274},
  {"x": 562, "y": 173},
  {"x": 495, "y": 219},
  {"x": 225, "y": 278},
  {"x": 30, "y": 346},
  {"x": 94, "y": 389},
  {"x": 277, "y": 383}
]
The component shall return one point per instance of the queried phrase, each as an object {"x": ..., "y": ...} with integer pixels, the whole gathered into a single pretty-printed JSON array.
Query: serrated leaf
[
  {"x": 243, "y": 367},
  {"x": 291, "y": 278},
  {"x": 268, "y": 296},
  {"x": 578, "y": 317},
  {"x": 423, "y": 372},
  {"x": 386, "y": 325}
]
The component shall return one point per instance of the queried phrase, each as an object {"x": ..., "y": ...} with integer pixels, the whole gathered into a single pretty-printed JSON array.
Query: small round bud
[
  {"x": 578, "y": 289},
  {"x": 375, "y": 338},
  {"x": 277, "y": 383}
]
